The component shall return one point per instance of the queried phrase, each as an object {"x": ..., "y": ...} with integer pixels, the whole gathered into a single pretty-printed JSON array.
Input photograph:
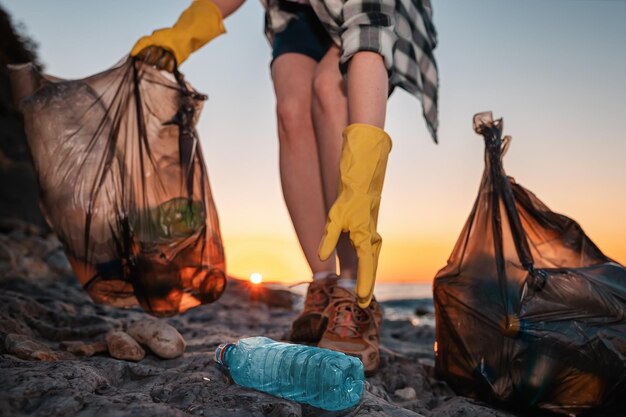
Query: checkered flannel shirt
[{"x": 402, "y": 31}]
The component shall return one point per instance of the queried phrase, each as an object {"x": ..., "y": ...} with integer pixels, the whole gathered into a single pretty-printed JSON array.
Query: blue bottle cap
[{"x": 221, "y": 351}]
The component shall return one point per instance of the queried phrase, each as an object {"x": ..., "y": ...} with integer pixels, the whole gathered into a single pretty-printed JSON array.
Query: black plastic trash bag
[
  {"x": 124, "y": 185},
  {"x": 528, "y": 310}
]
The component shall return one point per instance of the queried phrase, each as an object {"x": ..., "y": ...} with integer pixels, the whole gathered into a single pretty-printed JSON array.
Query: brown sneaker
[
  {"x": 353, "y": 330},
  {"x": 309, "y": 326}
]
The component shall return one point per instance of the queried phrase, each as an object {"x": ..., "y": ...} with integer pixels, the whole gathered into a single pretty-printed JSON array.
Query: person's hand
[
  {"x": 362, "y": 169},
  {"x": 170, "y": 47},
  {"x": 158, "y": 57}
]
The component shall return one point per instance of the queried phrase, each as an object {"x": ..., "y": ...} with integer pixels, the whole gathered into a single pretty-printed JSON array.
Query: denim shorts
[{"x": 304, "y": 34}]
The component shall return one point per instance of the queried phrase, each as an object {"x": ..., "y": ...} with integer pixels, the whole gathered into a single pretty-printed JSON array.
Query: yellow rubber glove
[
  {"x": 197, "y": 25},
  {"x": 362, "y": 170}
]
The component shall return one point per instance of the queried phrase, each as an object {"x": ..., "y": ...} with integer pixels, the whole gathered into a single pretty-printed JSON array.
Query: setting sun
[{"x": 256, "y": 278}]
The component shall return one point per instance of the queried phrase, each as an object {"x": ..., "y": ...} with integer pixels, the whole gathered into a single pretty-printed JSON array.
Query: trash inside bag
[
  {"x": 528, "y": 310},
  {"x": 124, "y": 185}
]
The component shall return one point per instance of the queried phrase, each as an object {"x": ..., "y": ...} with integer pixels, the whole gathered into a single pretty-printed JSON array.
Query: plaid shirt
[{"x": 401, "y": 31}]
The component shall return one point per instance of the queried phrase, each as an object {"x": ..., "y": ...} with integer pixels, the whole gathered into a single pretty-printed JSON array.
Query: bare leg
[
  {"x": 367, "y": 89},
  {"x": 330, "y": 117},
  {"x": 299, "y": 163}
]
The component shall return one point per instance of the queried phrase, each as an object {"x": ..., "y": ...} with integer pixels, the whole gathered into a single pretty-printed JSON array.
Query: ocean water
[
  {"x": 402, "y": 291},
  {"x": 389, "y": 291}
]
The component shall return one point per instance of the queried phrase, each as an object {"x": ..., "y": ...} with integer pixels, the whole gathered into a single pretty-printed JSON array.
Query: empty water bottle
[
  {"x": 320, "y": 377},
  {"x": 174, "y": 219}
]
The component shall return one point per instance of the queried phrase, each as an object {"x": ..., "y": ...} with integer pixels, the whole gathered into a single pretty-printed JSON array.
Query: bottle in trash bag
[
  {"x": 176, "y": 218},
  {"x": 320, "y": 377}
]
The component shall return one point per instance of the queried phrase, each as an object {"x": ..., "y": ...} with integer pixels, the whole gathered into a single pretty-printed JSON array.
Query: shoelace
[{"x": 348, "y": 319}]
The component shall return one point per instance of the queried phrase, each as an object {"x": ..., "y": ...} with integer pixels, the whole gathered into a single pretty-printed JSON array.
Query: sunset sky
[{"x": 555, "y": 70}]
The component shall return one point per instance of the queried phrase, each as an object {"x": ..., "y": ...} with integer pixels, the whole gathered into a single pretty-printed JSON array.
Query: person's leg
[
  {"x": 330, "y": 117},
  {"x": 367, "y": 55},
  {"x": 352, "y": 329},
  {"x": 334, "y": 107},
  {"x": 292, "y": 74},
  {"x": 368, "y": 88}
]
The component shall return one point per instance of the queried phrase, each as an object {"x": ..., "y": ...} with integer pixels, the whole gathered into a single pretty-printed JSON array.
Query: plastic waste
[
  {"x": 528, "y": 310},
  {"x": 320, "y": 377},
  {"x": 124, "y": 185}
]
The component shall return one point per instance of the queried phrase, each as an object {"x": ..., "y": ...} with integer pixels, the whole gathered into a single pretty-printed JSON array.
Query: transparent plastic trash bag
[
  {"x": 529, "y": 311},
  {"x": 124, "y": 185}
]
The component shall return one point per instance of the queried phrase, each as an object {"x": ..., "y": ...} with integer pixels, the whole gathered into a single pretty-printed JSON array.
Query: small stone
[
  {"x": 161, "y": 338},
  {"x": 57, "y": 261},
  {"x": 122, "y": 346},
  {"x": 428, "y": 364},
  {"x": 422, "y": 311},
  {"x": 84, "y": 349},
  {"x": 407, "y": 393},
  {"x": 33, "y": 268},
  {"x": 26, "y": 348}
]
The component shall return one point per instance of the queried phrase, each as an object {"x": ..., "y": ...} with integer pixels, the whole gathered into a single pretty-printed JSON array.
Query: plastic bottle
[
  {"x": 174, "y": 219},
  {"x": 320, "y": 377}
]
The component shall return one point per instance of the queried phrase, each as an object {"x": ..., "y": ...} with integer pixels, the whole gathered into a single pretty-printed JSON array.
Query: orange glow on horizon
[
  {"x": 402, "y": 260},
  {"x": 280, "y": 259}
]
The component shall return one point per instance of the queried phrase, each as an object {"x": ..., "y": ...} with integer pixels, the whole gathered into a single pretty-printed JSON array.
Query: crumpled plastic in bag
[
  {"x": 124, "y": 185},
  {"x": 529, "y": 312}
]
